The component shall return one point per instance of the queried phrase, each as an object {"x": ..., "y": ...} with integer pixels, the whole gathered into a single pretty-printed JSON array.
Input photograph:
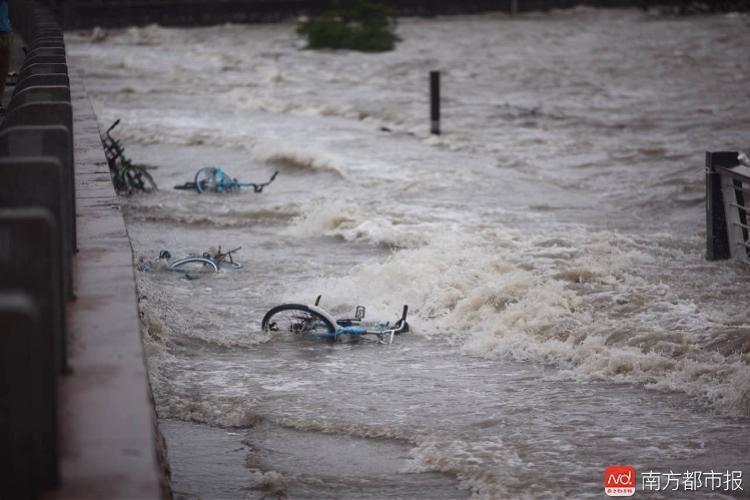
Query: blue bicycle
[
  {"x": 191, "y": 263},
  {"x": 215, "y": 180},
  {"x": 314, "y": 321},
  {"x": 212, "y": 261}
]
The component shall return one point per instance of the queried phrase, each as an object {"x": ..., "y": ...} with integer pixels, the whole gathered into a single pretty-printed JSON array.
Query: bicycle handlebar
[
  {"x": 228, "y": 252},
  {"x": 258, "y": 188},
  {"x": 399, "y": 327},
  {"x": 116, "y": 123},
  {"x": 220, "y": 256}
]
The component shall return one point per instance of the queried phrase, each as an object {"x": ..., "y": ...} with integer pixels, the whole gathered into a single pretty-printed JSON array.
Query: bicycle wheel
[
  {"x": 149, "y": 185},
  {"x": 134, "y": 180},
  {"x": 119, "y": 180},
  {"x": 299, "y": 319},
  {"x": 206, "y": 179},
  {"x": 187, "y": 264}
]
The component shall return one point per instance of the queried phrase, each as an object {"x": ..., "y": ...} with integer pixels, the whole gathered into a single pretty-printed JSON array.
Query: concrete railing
[
  {"x": 727, "y": 189},
  {"x": 37, "y": 243}
]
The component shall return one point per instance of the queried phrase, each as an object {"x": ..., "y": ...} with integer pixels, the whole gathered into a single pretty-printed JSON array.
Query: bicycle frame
[
  {"x": 217, "y": 180},
  {"x": 112, "y": 147},
  {"x": 359, "y": 331},
  {"x": 214, "y": 179}
]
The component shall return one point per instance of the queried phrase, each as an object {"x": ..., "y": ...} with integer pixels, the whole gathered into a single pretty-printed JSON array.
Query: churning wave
[
  {"x": 577, "y": 305},
  {"x": 348, "y": 220},
  {"x": 227, "y": 219}
]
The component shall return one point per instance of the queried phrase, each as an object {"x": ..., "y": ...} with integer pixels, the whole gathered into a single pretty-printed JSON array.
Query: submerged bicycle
[
  {"x": 314, "y": 321},
  {"x": 215, "y": 180},
  {"x": 126, "y": 176},
  {"x": 213, "y": 261}
]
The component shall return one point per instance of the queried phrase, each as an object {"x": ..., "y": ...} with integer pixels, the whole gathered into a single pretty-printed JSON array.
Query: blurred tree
[{"x": 351, "y": 24}]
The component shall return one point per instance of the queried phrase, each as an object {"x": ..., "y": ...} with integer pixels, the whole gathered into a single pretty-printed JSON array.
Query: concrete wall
[{"x": 79, "y": 14}]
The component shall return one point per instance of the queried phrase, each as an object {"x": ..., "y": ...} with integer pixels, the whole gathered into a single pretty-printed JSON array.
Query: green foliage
[{"x": 351, "y": 24}]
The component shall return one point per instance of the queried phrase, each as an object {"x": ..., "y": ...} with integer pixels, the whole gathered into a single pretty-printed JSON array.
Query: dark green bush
[{"x": 351, "y": 24}]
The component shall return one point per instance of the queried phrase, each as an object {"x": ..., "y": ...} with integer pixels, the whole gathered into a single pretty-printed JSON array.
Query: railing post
[
  {"x": 717, "y": 237},
  {"x": 435, "y": 102},
  {"x": 20, "y": 366},
  {"x": 29, "y": 261},
  {"x": 31, "y": 185}
]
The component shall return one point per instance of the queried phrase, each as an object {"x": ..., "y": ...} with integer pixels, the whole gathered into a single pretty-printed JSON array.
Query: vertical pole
[
  {"x": 717, "y": 236},
  {"x": 435, "y": 102},
  {"x": 513, "y": 7}
]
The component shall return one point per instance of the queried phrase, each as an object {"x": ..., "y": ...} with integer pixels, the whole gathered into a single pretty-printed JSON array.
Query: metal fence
[
  {"x": 37, "y": 243},
  {"x": 727, "y": 187}
]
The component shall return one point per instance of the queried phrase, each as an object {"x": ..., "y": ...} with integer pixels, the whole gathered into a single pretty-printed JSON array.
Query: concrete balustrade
[
  {"x": 53, "y": 141},
  {"x": 42, "y": 80},
  {"x": 29, "y": 263},
  {"x": 38, "y": 182},
  {"x": 20, "y": 318},
  {"x": 41, "y": 93}
]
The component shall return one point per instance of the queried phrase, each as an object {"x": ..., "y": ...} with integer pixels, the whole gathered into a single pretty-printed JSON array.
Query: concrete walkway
[{"x": 106, "y": 417}]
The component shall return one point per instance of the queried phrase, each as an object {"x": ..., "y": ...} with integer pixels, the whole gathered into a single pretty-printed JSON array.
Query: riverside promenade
[{"x": 76, "y": 413}]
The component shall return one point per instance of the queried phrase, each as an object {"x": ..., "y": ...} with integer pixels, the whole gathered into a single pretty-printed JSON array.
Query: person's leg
[{"x": 6, "y": 41}]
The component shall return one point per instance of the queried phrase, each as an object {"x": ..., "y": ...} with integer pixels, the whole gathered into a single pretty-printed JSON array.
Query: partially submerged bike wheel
[
  {"x": 194, "y": 264},
  {"x": 208, "y": 179},
  {"x": 139, "y": 178},
  {"x": 299, "y": 319}
]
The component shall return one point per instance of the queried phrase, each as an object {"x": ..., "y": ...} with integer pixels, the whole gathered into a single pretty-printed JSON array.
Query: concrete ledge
[{"x": 108, "y": 447}]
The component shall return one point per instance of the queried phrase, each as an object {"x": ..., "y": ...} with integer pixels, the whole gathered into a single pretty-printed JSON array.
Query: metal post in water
[
  {"x": 435, "y": 102},
  {"x": 717, "y": 236}
]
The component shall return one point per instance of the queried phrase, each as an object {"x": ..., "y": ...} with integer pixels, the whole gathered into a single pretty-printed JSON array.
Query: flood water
[{"x": 549, "y": 244}]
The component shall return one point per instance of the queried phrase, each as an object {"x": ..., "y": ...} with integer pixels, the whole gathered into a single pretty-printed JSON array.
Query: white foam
[
  {"x": 481, "y": 294},
  {"x": 348, "y": 220},
  {"x": 251, "y": 98}
]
